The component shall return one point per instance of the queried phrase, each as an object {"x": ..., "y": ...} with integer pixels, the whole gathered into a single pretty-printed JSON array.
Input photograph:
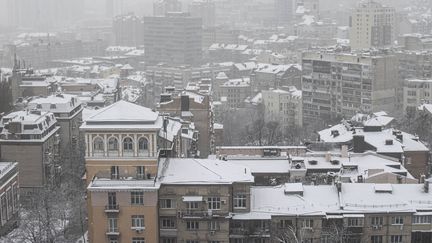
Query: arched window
[
  {"x": 98, "y": 146},
  {"x": 128, "y": 147},
  {"x": 113, "y": 149},
  {"x": 143, "y": 146}
]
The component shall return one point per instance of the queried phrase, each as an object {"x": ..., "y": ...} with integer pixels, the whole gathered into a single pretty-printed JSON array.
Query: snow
[
  {"x": 259, "y": 165},
  {"x": 173, "y": 129},
  {"x": 345, "y": 135},
  {"x": 124, "y": 111},
  {"x": 192, "y": 198},
  {"x": 63, "y": 103},
  {"x": 205, "y": 171}
]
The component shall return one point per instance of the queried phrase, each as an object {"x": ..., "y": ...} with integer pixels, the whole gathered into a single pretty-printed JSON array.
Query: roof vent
[
  {"x": 389, "y": 142},
  {"x": 313, "y": 162}
]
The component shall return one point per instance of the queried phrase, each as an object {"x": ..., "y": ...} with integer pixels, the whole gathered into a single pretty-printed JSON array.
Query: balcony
[
  {"x": 112, "y": 208},
  {"x": 195, "y": 214},
  {"x": 168, "y": 232},
  {"x": 112, "y": 232}
]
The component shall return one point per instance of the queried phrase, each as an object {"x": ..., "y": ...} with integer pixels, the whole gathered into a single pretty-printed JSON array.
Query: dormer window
[{"x": 53, "y": 106}]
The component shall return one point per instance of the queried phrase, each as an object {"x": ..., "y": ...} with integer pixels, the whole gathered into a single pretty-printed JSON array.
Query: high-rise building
[
  {"x": 162, "y": 7},
  {"x": 343, "y": 84},
  {"x": 128, "y": 30},
  {"x": 173, "y": 39},
  {"x": 204, "y": 9},
  {"x": 372, "y": 25},
  {"x": 284, "y": 10}
]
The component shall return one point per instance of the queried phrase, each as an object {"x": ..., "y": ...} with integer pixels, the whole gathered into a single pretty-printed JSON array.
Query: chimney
[
  {"x": 344, "y": 151},
  {"x": 165, "y": 98},
  {"x": 184, "y": 103},
  {"x": 426, "y": 186},
  {"x": 359, "y": 144},
  {"x": 328, "y": 157}
]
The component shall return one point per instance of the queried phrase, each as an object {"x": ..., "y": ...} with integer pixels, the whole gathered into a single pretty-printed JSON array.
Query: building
[
  {"x": 284, "y": 11},
  {"x": 373, "y": 136},
  {"x": 128, "y": 30},
  {"x": 67, "y": 110},
  {"x": 9, "y": 199},
  {"x": 372, "y": 25},
  {"x": 173, "y": 39},
  {"x": 162, "y": 7},
  {"x": 235, "y": 91},
  {"x": 121, "y": 164},
  {"x": 416, "y": 92},
  {"x": 284, "y": 107},
  {"x": 192, "y": 107},
  {"x": 36, "y": 133},
  {"x": 415, "y": 42},
  {"x": 204, "y": 9},
  {"x": 414, "y": 64},
  {"x": 342, "y": 84},
  {"x": 195, "y": 207},
  {"x": 265, "y": 76}
]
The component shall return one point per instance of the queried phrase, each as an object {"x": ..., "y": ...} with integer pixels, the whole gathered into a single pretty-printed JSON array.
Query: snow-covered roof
[
  {"x": 202, "y": 171},
  {"x": 60, "y": 103},
  {"x": 238, "y": 82},
  {"x": 124, "y": 115},
  {"x": 261, "y": 165},
  {"x": 28, "y": 123}
]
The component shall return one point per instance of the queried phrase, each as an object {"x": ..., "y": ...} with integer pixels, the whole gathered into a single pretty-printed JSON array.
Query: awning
[
  {"x": 334, "y": 216},
  {"x": 192, "y": 199},
  {"x": 423, "y": 213},
  {"x": 353, "y": 215}
]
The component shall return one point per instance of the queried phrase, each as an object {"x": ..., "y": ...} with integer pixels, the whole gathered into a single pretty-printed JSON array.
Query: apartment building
[
  {"x": 175, "y": 38},
  {"x": 342, "y": 84},
  {"x": 204, "y": 9},
  {"x": 31, "y": 137},
  {"x": 373, "y": 136},
  {"x": 193, "y": 107},
  {"x": 196, "y": 207},
  {"x": 372, "y": 25},
  {"x": 284, "y": 106},
  {"x": 128, "y": 30},
  {"x": 9, "y": 196},
  {"x": 162, "y": 7},
  {"x": 121, "y": 164},
  {"x": 265, "y": 76},
  {"x": 67, "y": 110},
  {"x": 415, "y": 93},
  {"x": 235, "y": 91},
  {"x": 414, "y": 64}
]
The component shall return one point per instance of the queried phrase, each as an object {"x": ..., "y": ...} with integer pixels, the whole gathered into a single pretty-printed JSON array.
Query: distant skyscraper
[
  {"x": 128, "y": 30},
  {"x": 372, "y": 25},
  {"x": 162, "y": 7},
  {"x": 283, "y": 10},
  {"x": 173, "y": 39},
  {"x": 204, "y": 9}
]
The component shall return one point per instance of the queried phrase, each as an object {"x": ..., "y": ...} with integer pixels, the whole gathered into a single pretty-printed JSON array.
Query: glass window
[
  {"x": 240, "y": 201},
  {"x": 115, "y": 172},
  {"x": 143, "y": 146},
  {"x": 169, "y": 240},
  {"x": 168, "y": 223},
  {"x": 192, "y": 225},
  {"x": 307, "y": 223},
  {"x": 396, "y": 239},
  {"x": 377, "y": 221},
  {"x": 112, "y": 225},
  {"x": 137, "y": 198},
  {"x": 137, "y": 221},
  {"x": 140, "y": 172},
  {"x": 113, "y": 148},
  {"x": 422, "y": 219},
  {"x": 167, "y": 203},
  {"x": 214, "y": 225},
  {"x": 138, "y": 240},
  {"x": 98, "y": 146},
  {"x": 214, "y": 203},
  {"x": 128, "y": 146},
  {"x": 397, "y": 220},
  {"x": 376, "y": 239},
  {"x": 192, "y": 205}
]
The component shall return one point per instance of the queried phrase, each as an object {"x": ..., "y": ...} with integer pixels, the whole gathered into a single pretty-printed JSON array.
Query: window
[
  {"x": 113, "y": 149},
  {"x": 192, "y": 205},
  {"x": 168, "y": 223},
  {"x": 376, "y": 239},
  {"x": 214, "y": 203},
  {"x": 15, "y": 196},
  {"x": 138, "y": 240},
  {"x": 192, "y": 225},
  {"x": 167, "y": 203},
  {"x": 127, "y": 146},
  {"x": 113, "y": 240},
  {"x": 112, "y": 225},
  {"x": 137, "y": 221},
  {"x": 169, "y": 240},
  {"x": 396, "y": 239},
  {"x": 3, "y": 209},
  {"x": 115, "y": 172},
  {"x": 377, "y": 221},
  {"x": 397, "y": 220},
  {"x": 98, "y": 146},
  {"x": 240, "y": 201},
  {"x": 422, "y": 219},
  {"x": 214, "y": 225},
  {"x": 9, "y": 202},
  {"x": 307, "y": 223},
  {"x": 285, "y": 223},
  {"x": 112, "y": 200},
  {"x": 143, "y": 146},
  {"x": 137, "y": 198},
  {"x": 140, "y": 172},
  {"x": 355, "y": 222},
  {"x": 192, "y": 241}
]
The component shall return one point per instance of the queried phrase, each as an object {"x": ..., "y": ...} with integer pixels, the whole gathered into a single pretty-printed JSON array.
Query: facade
[
  {"x": 284, "y": 11},
  {"x": 128, "y": 30},
  {"x": 9, "y": 196},
  {"x": 162, "y": 7},
  {"x": 284, "y": 106},
  {"x": 416, "y": 92},
  {"x": 174, "y": 39},
  {"x": 121, "y": 164},
  {"x": 192, "y": 107},
  {"x": 414, "y": 64},
  {"x": 235, "y": 91},
  {"x": 265, "y": 76},
  {"x": 36, "y": 133},
  {"x": 67, "y": 110},
  {"x": 205, "y": 9},
  {"x": 372, "y": 25},
  {"x": 344, "y": 84}
]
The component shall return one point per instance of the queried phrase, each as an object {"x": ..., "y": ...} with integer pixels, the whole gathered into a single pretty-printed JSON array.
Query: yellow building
[{"x": 121, "y": 164}]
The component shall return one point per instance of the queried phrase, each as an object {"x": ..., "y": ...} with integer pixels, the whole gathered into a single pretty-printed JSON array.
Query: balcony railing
[
  {"x": 201, "y": 214},
  {"x": 113, "y": 232},
  {"x": 112, "y": 208}
]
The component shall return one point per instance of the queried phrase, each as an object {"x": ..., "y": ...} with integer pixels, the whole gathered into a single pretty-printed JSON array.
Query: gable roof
[{"x": 122, "y": 111}]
